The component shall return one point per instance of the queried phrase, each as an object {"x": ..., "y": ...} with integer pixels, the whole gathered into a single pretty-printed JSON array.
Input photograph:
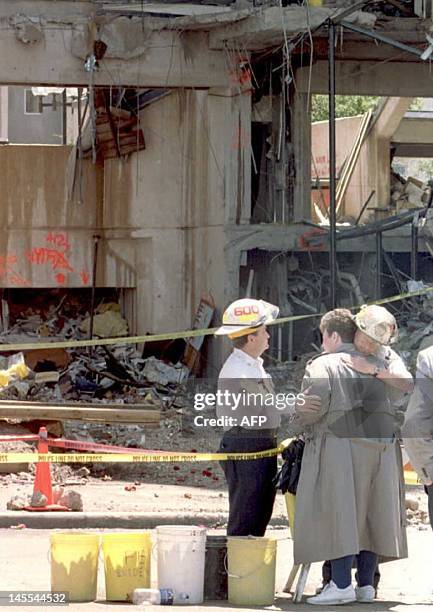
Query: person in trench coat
[
  {"x": 376, "y": 331},
  {"x": 349, "y": 498}
]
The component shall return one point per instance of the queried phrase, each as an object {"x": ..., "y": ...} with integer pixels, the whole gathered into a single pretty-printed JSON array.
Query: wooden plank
[
  {"x": 120, "y": 113},
  {"x": 121, "y": 125},
  {"x": 106, "y": 135},
  {"x": 128, "y": 144},
  {"x": 349, "y": 167},
  {"x": 148, "y": 418},
  {"x": 114, "y": 405}
]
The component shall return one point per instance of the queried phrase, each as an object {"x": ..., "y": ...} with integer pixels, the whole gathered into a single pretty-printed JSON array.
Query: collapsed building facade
[{"x": 190, "y": 172}]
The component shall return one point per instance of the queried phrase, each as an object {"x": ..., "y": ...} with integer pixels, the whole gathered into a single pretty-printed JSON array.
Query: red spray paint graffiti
[{"x": 55, "y": 258}]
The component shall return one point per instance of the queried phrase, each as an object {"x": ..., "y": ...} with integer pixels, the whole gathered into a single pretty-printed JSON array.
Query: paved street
[{"x": 406, "y": 585}]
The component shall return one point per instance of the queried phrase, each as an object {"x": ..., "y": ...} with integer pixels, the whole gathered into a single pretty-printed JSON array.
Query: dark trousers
[
  {"x": 327, "y": 573},
  {"x": 341, "y": 569},
  {"x": 429, "y": 490},
  {"x": 250, "y": 486}
]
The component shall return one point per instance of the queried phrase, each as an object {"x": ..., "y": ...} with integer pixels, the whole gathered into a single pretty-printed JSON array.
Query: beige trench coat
[{"x": 350, "y": 495}]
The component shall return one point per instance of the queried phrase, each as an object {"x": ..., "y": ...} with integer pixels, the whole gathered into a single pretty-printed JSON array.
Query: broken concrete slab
[{"x": 269, "y": 26}]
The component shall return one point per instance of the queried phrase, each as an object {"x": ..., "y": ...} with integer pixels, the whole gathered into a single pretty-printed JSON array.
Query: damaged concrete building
[{"x": 191, "y": 163}]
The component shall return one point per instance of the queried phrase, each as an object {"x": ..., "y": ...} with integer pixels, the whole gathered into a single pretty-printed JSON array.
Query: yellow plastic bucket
[
  {"x": 127, "y": 564},
  {"x": 251, "y": 570},
  {"x": 290, "y": 500},
  {"x": 74, "y": 564}
]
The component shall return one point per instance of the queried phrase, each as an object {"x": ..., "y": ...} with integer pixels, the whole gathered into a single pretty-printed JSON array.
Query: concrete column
[
  {"x": 301, "y": 141},
  {"x": 4, "y": 114},
  {"x": 391, "y": 114}
]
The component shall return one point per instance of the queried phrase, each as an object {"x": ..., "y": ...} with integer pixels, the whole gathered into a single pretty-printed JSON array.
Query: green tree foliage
[
  {"x": 416, "y": 104},
  {"x": 349, "y": 106},
  {"x": 345, "y": 106}
]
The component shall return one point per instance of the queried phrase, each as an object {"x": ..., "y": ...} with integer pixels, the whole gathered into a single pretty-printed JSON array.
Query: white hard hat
[
  {"x": 377, "y": 323},
  {"x": 243, "y": 316}
]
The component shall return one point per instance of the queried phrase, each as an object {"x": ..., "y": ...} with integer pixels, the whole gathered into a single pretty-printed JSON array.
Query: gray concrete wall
[
  {"x": 180, "y": 195},
  {"x": 164, "y": 214},
  {"x": 44, "y": 128}
]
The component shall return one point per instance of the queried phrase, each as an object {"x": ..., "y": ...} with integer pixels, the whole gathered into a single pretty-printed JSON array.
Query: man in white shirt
[{"x": 255, "y": 417}]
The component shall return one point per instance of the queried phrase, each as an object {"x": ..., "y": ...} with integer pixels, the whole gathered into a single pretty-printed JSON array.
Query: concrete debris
[
  {"x": 72, "y": 500},
  {"x": 417, "y": 517},
  {"x": 58, "y": 491},
  {"x": 38, "y": 500},
  {"x": 411, "y": 504},
  {"x": 415, "y": 326},
  {"x": 109, "y": 324},
  {"x": 18, "y": 502},
  {"x": 46, "y": 377},
  {"x": 157, "y": 371},
  {"x": 408, "y": 194},
  {"x": 83, "y": 472},
  {"x": 22, "y": 388}
]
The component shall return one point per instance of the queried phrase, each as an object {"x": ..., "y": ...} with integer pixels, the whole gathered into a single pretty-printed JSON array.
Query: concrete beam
[
  {"x": 414, "y": 150},
  {"x": 53, "y": 50},
  {"x": 414, "y": 137},
  {"x": 278, "y": 237},
  {"x": 389, "y": 118},
  {"x": 266, "y": 27},
  {"x": 414, "y": 131},
  {"x": 391, "y": 115},
  {"x": 369, "y": 79}
]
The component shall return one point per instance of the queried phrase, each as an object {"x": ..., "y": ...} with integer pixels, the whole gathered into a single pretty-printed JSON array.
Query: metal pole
[
  {"x": 382, "y": 38},
  {"x": 64, "y": 117},
  {"x": 378, "y": 265},
  {"x": 364, "y": 206},
  {"x": 332, "y": 167},
  {"x": 414, "y": 247},
  {"x": 95, "y": 265}
]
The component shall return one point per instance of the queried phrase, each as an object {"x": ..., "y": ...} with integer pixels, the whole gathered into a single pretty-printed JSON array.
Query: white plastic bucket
[{"x": 181, "y": 560}]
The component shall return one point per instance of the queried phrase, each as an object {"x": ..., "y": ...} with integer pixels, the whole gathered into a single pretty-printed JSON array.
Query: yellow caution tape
[
  {"x": 191, "y": 333},
  {"x": 133, "y": 457},
  {"x": 410, "y": 477}
]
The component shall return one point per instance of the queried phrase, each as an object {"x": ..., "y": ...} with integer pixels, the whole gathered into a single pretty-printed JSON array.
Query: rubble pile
[
  {"x": 99, "y": 374},
  {"x": 69, "y": 499},
  {"x": 415, "y": 323},
  {"x": 407, "y": 194}
]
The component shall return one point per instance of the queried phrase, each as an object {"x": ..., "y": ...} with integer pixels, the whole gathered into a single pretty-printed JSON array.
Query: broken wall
[{"x": 162, "y": 213}]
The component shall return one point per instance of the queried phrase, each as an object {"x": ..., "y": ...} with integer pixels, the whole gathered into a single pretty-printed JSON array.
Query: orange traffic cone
[{"x": 42, "y": 483}]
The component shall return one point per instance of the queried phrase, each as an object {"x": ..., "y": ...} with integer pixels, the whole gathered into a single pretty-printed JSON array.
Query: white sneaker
[
  {"x": 333, "y": 596},
  {"x": 365, "y": 594}
]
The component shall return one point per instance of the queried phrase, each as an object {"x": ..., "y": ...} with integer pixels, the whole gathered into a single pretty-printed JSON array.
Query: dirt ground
[{"x": 117, "y": 496}]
